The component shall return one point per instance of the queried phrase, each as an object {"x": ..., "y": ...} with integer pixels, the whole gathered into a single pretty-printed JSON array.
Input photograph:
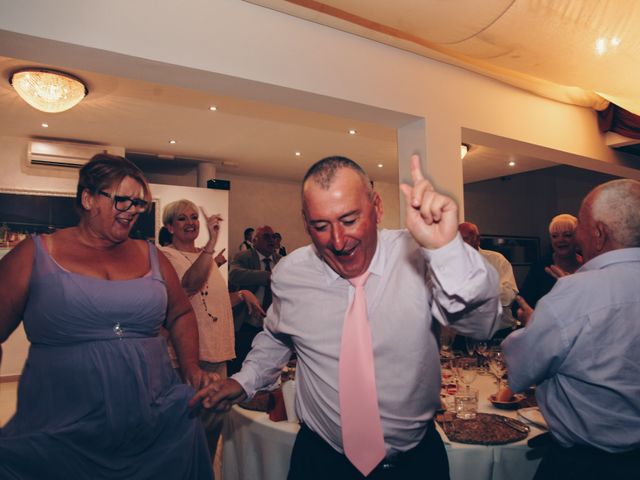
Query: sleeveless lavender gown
[{"x": 98, "y": 398}]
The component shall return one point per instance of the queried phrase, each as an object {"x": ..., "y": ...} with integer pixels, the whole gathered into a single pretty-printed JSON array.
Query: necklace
[{"x": 204, "y": 291}]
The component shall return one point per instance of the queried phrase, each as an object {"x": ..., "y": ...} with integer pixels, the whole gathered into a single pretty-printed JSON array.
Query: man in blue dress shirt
[{"x": 581, "y": 346}]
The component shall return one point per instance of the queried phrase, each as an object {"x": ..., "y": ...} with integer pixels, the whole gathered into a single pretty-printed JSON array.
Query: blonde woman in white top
[{"x": 199, "y": 273}]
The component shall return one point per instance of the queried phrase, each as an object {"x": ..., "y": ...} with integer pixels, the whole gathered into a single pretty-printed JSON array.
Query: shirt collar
[
  {"x": 262, "y": 257},
  {"x": 621, "y": 255}
]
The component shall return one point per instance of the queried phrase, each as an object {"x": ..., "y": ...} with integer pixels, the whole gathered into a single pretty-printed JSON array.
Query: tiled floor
[{"x": 8, "y": 391}]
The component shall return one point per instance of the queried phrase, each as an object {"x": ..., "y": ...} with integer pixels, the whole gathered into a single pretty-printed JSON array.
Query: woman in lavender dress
[{"x": 97, "y": 397}]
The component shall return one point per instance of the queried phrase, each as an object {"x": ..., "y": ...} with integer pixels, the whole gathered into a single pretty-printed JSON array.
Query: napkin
[{"x": 533, "y": 415}]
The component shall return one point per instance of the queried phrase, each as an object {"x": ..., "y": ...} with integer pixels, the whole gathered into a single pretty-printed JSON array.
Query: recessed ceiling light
[
  {"x": 601, "y": 46},
  {"x": 380, "y": 165},
  {"x": 213, "y": 108},
  {"x": 298, "y": 154},
  {"x": 45, "y": 125},
  {"x": 512, "y": 163},
  {"x": 172, "y": 142},
  {"x": 352, "y": 131}
]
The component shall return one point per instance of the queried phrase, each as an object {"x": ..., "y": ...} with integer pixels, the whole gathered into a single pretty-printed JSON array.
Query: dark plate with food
[{"x": 512, "y": 403}]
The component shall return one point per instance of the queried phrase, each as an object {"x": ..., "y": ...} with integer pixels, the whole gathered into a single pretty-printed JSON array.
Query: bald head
[
  {"x": 609, "y": 218},
  {"x": 470, "y": 234},
  {"x": 323, "y": 173},
  {"x": 264, "y": 240}
]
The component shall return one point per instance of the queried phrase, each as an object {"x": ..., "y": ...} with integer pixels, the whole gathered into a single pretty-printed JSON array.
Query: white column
[
  {"x": 206, "y": 171},
  {"x": 439, "y": 148}
]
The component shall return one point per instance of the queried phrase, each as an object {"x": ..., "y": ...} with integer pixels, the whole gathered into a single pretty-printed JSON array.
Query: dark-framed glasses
[{"x": 122, "y": 203}]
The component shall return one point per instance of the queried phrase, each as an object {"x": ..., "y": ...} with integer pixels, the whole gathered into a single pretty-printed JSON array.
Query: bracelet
[
  {"x": 208, "y": 253},
  {"x": 241, "y": 295}
]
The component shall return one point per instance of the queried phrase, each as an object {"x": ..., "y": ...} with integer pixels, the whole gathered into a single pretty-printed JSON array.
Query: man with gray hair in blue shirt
[{"x": 580, "y": 346}]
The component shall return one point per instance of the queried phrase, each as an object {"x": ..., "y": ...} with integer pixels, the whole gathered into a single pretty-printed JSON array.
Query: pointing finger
[{"x": 416, "y": 170}]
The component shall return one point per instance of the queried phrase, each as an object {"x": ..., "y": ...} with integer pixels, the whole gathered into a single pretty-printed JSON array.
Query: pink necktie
[{"x": 362, "y": 437}]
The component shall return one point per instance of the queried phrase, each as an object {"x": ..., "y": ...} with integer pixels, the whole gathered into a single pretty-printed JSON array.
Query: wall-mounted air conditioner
[{"x": 66, "y": 154}]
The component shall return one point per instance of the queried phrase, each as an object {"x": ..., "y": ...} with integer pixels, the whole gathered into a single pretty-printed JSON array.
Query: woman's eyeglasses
[{"x": 122, "y": 203}]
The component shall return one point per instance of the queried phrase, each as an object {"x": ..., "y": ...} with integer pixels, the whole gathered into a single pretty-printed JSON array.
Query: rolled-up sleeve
[
  {"x": 465, "y": 289},
  {"x": 269, "y": 353}
]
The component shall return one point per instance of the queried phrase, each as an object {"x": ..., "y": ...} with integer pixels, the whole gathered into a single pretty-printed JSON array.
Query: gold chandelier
[{"x": 48, "y": 90}]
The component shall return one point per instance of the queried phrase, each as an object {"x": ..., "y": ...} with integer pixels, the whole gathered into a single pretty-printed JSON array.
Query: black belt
[{"x": 395, "y": 459}]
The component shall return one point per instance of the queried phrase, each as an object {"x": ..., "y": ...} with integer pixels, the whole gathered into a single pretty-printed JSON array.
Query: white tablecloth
[{"x": 255, "y": 448}]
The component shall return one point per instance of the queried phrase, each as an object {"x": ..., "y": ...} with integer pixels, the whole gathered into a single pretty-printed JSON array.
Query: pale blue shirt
[
  {"x": 582, "y": 348},
  {"x": 309, "y": 305}
]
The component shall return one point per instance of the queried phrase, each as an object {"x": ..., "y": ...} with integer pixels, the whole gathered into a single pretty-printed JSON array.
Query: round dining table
[{"x": 257, "y": 448}]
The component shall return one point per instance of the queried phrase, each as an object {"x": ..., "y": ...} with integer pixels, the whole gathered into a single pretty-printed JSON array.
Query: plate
[
  {"x": 509, "y": 405},
  {"x": 534, "y": 416}
]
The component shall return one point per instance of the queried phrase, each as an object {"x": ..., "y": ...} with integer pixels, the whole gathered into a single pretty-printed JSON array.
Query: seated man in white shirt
[
  {"x": 508, "y": 288},
  {"x": 414, "y": 279}
]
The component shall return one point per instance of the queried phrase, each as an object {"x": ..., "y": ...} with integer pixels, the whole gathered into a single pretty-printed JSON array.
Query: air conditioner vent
[{"x": 66, "y": 154}]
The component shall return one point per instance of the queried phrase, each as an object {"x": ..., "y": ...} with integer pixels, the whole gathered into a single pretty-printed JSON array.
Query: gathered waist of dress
[{"x": 66, "y": 342}]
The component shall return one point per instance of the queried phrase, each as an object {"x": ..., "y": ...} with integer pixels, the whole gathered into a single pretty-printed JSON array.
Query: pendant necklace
[{"x": 204, "y": 292}]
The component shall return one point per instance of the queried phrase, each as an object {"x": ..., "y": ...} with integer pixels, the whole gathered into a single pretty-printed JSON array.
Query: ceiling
[
  {"x": 242, "y": 137},
  {"x": 544, "y": 46},
  {"x": 583, "y": 52}
]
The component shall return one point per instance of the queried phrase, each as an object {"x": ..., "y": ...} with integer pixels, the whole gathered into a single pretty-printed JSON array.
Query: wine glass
[
  {"x": 498, "y": 367},
  {"x": 466, "y": 371},
  {"x": 481, "y": 349},
  {"x": 447, "y": 336},
  {"x": 470, "y": 346}
]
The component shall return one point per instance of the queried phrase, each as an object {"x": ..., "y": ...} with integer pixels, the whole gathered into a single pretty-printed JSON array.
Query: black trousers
[
  {"x": 586, "y": 463},
  {"x": 314, "y": 459}
]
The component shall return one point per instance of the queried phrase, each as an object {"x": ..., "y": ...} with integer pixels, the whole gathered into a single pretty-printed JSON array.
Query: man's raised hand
[{"x": 432, "y": 218}]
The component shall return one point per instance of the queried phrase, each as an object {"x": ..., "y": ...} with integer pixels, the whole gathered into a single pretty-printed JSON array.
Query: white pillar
[
  {"x": 439, "y": 148},
  {"x": 206, "y": 171}
]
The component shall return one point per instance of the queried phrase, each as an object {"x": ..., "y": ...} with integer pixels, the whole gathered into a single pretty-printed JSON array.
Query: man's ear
[
  {"x": 377, "y": 204},
  {"x": 601, "y": 236}
]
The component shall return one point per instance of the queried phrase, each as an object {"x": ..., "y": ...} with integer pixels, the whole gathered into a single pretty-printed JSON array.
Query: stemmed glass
[
  {"x": 466, "y": 371},
  {"x": 481, "y": 349},
  {"x": 498, "y": 367},
  {"x": 447, "y": 336},
  {"x": 470, "y": 346}
]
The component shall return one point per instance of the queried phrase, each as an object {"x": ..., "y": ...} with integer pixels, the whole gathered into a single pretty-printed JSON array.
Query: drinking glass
[
  {"x": 482, "y": 347},
  {"x": 447, "y": 336},
  {"x": 498, "y": 367},
  {"x": 466, "y": 370},
  {"x": 470, "y": 345},
  {"x": 466, "y": 404}
]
